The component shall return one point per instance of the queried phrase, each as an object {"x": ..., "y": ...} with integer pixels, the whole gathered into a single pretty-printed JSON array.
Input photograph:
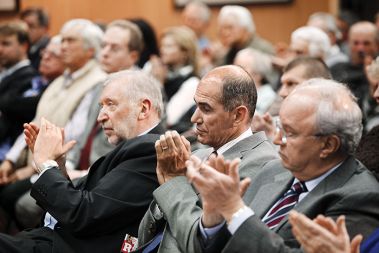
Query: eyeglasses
[
  {"x": 50, "y": 53},
  {"x": 284, "y": 135},
  {"x": 279, "y": 130}
]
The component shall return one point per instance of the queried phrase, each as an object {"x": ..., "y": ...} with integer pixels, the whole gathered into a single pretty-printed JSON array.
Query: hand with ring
[{"x": 172, "y": 152}]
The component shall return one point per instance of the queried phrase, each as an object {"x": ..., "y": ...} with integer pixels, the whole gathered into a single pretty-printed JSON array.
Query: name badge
[{"x": 130, "y": 244}]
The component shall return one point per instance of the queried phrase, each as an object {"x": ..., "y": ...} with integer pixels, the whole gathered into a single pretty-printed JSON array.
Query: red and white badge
[{"x": 130, "y": 243}]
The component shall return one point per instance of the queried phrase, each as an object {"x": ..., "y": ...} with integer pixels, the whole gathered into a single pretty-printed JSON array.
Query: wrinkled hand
[
  {"x": 323, "y": 235},
  {"x": 6, "y": 171},
  {"x": 172, "y": 151},
  {"x": 49, "y": 143},
  {"x": 264, "y": 123},
  {"x": 220, "y": 187}
]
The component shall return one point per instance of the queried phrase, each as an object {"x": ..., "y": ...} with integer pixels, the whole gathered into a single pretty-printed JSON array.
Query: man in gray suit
[
  {"x": 225, "y": 99},
  {"x": 317, "y": 136}
]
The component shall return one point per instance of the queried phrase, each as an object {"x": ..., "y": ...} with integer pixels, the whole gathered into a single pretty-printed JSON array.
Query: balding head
[
  {"x": 363, "y": 41},
  {"x": 335, "y": 115},
  {"x": 225, "y": 99},
  {"x": 238, "y": 87},
  {"x": 317, "y": 130}
]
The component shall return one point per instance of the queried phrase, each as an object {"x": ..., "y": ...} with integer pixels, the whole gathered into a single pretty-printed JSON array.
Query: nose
[
  {"x": 376, "y": 93},
  {"x": 278, "y": 138},
  {"x": 102, "y": 117},
  {"x": 196, "y": 116},
  {"x": 283, "y": 92},
  {"x": 104, "y": 51}
]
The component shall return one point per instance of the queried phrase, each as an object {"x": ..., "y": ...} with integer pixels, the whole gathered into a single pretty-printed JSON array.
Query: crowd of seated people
[{"x": 114, "y": 140}]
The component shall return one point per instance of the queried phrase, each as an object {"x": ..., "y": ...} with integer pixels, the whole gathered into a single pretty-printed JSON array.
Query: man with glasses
[
  {"x": 38, "y": 28},
  {"x": 318, "y": 134}
]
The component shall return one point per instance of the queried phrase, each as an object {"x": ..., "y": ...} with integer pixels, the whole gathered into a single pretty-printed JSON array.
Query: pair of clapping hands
[
  {"x": 216, "y": 179},
  {"x": 46, "y": 143},
  {"x": 323, "y": 234}
]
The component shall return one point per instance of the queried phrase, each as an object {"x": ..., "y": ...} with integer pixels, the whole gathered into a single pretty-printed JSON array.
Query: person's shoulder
[
  {"x": 146, "y": 140},
  {"x": 25, "y": 72}
]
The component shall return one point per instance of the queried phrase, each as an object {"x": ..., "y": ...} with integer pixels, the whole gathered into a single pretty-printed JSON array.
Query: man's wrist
[
  {"x": 230, "y": 212},
  {"x": 48, "y": 164}
]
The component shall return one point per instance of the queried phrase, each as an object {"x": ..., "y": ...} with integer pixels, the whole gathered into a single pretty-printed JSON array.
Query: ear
[
  {"x": 145, "y": 109},
  {"x": 134, "y": 55},
  {"x": 91, "y": 53},
  {"x": 241, "y": 114},
  {"x": 331, "y": 146},
  {"x": 25, "y": 48}
]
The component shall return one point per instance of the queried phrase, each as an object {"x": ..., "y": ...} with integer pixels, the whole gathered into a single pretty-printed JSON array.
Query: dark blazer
[
  {"x": 350, "y": 190},
  {"x": 16, "y": 109},
  {"x": 108, "y": 203}
]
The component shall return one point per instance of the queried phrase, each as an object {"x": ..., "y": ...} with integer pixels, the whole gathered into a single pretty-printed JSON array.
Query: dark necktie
[
  {"x": 85, "y": 154},
  {"x": 284, "y": 205}
]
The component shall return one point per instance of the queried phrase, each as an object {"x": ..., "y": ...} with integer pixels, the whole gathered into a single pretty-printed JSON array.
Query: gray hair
[
  {"x": 140, "y": 86},
  {"x": 318, "y": 40},
  {"x": 261, "y": 63},
  {"x": 90, "y": 33},
  {"x": 241, "y": 14},
  {"x": 238, "y": 89},
  {"x": 328, "y": 20},
  {"x": 204, "y": 12},
  {"x": 337, "y": 112},
  {"x": 373, "y": 69}
]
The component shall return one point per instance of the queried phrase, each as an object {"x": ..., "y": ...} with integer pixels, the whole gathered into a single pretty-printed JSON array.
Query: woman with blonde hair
[{"x": 177, "y": 70}]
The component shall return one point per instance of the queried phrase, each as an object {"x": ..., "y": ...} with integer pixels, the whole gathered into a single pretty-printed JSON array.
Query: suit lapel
[
  {"x": 239, "y": 149},
  {"x": 269, "y": 193},
  {"x": 335, "y": 180}
]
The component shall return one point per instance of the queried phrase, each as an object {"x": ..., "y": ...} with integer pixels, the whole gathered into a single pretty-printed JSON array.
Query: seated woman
[{"x": 177, "y": 69}]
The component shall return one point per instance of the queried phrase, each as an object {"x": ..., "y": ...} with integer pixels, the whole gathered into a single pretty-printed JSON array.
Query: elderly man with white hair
[
  {"x": 237, "y": 31},
  {"x": 196, "y": 15},
  {"x": 317, "y": 132},
  {"x": 327, "y": 23},
  {"x": 311, "y": 41}
]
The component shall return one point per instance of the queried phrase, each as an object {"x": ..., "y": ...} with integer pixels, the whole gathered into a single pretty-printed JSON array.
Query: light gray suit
[
  {"x": 181, "y": 205},
  {"x": 350, "y": 190}
]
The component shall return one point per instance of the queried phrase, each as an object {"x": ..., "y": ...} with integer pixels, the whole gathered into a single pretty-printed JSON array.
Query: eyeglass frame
[{"x": 284, "y": 136}]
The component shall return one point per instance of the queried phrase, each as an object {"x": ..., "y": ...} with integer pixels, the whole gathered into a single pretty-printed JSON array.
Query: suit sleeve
[
  {"x": 360, "y": 209},
  {"x": 118, "y": 199},
  {"x": 181, "y": 207}
]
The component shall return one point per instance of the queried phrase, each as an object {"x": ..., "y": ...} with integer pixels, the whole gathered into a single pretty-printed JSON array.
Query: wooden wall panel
[{"x": 274, "y": 21}]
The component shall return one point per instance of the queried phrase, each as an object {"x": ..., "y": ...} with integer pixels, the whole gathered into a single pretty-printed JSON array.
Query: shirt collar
[
  {"x": 148, "y": 130},
  {"x": 233, "y": 142},
  {"x": 71, "y": 77},
  {"x": 183, "y": 71},
  {"x": 17, "y": 66},
  {"x": 311, "y": 184}
]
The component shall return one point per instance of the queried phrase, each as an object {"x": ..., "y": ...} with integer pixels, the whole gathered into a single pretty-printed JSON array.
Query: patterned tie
[{"x": 284, "y": 205}]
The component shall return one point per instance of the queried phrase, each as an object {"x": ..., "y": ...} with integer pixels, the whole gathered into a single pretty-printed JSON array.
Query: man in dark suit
[
  {"x": 225, "y": 99},
  {"x": 106, "y": 205},
  {"x": 15, "y": 79},
  {"x": 317, "y": 136},
  {"x": 38, "y": 28}
]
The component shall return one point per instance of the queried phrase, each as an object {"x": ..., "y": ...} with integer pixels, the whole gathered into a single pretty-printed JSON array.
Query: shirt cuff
[
  {"x": 208, "y": 233},
  {"x": 239, "y": 217}
]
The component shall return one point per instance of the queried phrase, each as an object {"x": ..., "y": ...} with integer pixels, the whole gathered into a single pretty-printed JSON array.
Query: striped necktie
[{"x": 284, "y": 205}]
